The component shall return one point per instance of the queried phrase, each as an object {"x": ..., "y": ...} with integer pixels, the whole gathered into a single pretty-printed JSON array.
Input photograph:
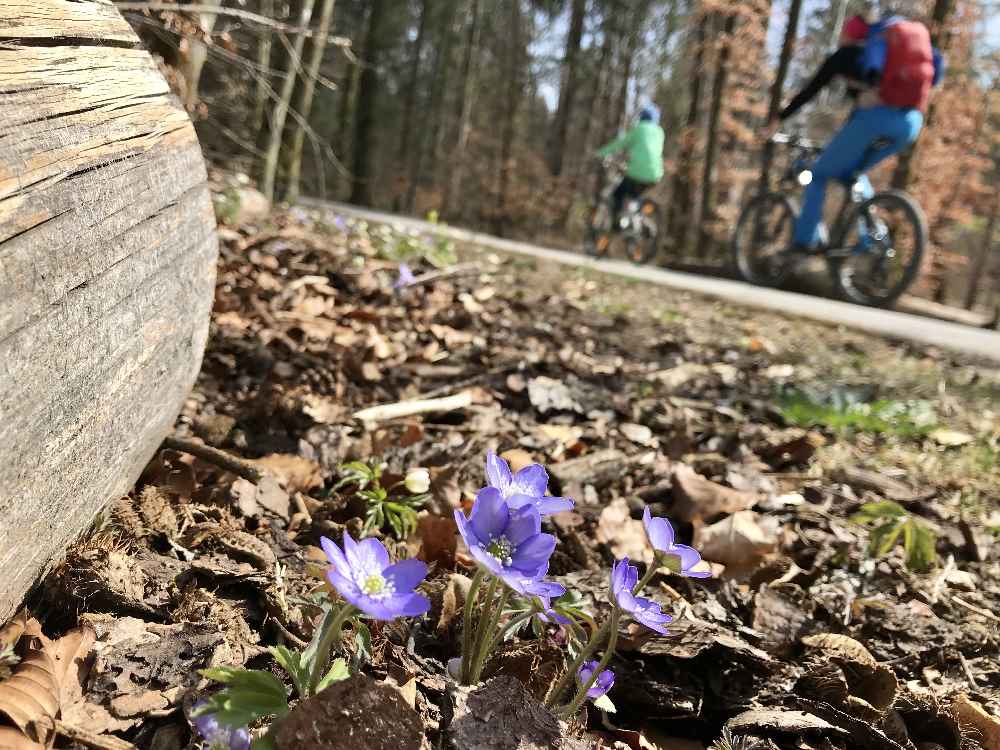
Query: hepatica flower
[
  {"x": 661, "y": 536},
  {"x": 604, "y": 682},
  {"x": 525, "y": 488},
  {"x": 361, "y": 572},
  {"x": 405, "y": 278},
  {"x": 506, "y": 542},
  {"x": 624, "y": 578},
  {"x": 546, "y": 591},
  {"x": 217, "y": 737}
]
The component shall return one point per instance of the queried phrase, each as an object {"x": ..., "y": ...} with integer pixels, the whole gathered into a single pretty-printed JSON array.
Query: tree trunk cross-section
[{"x": 107, "y": 270}]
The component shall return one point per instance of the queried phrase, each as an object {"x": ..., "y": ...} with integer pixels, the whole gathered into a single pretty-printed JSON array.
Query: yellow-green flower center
[
  {"x": 373, "y": 585},
  {"x": 501, "y": 549}
]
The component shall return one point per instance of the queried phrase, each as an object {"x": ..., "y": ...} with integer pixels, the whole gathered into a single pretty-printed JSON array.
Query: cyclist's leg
[
  {"x": 841, "y": 158},
  {"x": 618, "y": 198}
]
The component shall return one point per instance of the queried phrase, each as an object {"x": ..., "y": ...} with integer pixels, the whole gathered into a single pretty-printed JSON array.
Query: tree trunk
[
  {"x": 982, "y": 257},
  {"x": 263, "y": 85},
  {"x": 345, "y": 115},
  {"x": 705, "y": 213},
  {"x": 631, "y": 45},
  {"x": 364, "y": 120},
  {"x": 306, "y": 101},
  {"x": 513, "y": 99},
  {"x": 281, "y": 106},
  {"x": 405, "y": 140},
  {"x": 679, "y": 217},
  {"x": 939, "y": 37},
  {"x": 428, "y": 136},
  {"x": 466, "y": 95},
  {"x": 108, "y": 253},
  {"x": 777, "y": 89},
  {"x": 567, "y": 91},
  {"x": 612, "y": 39}
]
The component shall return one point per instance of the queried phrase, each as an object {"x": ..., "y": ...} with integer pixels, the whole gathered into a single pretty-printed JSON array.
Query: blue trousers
[{"x": 849, "y": 154}]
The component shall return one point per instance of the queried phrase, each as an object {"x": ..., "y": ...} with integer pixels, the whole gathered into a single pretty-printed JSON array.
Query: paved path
[{"x": 952, "y": 336}]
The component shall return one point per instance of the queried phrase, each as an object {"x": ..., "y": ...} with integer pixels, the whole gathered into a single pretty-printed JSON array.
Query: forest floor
[{"x": 759, "y": 435}]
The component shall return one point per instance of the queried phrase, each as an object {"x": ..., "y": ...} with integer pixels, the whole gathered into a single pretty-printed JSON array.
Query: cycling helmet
[
  {"x": 855, "y": 29},
  {"x": 649, "y": 113}
]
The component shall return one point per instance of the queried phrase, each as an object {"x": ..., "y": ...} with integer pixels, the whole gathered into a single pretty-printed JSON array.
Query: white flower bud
[{"x": 417, "y": 481}]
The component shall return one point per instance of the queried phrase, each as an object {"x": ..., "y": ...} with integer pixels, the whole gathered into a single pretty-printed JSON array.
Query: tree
[
  {"x": 280, "y": 112},
  {"x": 514, "y": 71},
  {"x": 466, "y": 94},
  {"x": 365, "y": 137},
  {"x": 416, "y": 57},
  {"x": 308, "y": 90},
  {"x": 567, "y": 91},
  {"x": 778, "y": 87}
]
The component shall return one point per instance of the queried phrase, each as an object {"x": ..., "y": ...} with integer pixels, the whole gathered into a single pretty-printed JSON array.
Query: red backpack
[{"x": 904, "y": 50}]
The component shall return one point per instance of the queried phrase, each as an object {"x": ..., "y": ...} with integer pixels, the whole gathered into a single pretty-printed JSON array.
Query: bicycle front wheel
[
  {"x": 883, "y": 246},
  {"x": 763, "y": 233}
]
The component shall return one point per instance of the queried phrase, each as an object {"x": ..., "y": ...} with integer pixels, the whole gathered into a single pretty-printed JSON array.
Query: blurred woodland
[{"x": 489, "y": 112}]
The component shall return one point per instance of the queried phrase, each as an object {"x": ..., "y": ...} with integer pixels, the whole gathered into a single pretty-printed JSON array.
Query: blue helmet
[{"x": 649, "y": 113}]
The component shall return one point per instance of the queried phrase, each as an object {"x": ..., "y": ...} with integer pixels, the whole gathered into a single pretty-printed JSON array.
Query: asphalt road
[{"x": 950, "y": 336}]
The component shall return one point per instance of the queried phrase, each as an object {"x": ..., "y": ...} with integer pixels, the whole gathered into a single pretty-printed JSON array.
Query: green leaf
[
  {"x": 919, "y": 543},
  {"x": 363, "y": 641},
  {"x": 883, "y": 538},
  {"x": 877, "y": 511},
  {"x": 338, "y": 671},
  {"x": 604, "y": 703},
  {"x": 291, "y": 662},
  {"x": 249, "y": 694}
]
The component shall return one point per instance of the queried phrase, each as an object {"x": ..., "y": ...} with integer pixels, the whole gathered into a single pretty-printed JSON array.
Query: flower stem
[
  {"x": 581, "y": 694},
  {"x": 650, "y": 572},
  {"x": 486, "y": 638},
  {"x": 332, "y": 627},
  {"x": 512, "y": 625},
  {"x": 470, "y": 600},
  {"x": 484, "y": 617},
  {"x": 585, "y": 652}
]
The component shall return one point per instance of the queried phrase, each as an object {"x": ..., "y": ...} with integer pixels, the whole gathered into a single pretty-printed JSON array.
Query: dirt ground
[{"x": 762, "y": 437}]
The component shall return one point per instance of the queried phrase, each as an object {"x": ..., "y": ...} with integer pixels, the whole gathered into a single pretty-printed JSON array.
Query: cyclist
[
  {"x": 644, "y": 143},
  {"x": 889, "y": 67}
]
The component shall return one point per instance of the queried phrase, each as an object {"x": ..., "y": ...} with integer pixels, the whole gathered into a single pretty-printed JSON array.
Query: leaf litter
[{"x": 792, "y": 459}]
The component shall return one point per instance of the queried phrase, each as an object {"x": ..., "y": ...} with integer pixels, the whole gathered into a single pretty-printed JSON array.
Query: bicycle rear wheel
[
  {"x": 883, "y": 246},
  {"x": 642, "y": 246},
  {"x": 763, "y": 233},
  {"x": 599, "y": 231}
]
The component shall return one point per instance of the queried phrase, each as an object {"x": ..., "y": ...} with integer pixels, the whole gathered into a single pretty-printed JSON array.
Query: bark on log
[{"x": 107, "y": 269}]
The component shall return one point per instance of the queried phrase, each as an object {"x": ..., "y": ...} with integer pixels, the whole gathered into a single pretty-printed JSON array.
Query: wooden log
[{"x": 107, "y": 271}]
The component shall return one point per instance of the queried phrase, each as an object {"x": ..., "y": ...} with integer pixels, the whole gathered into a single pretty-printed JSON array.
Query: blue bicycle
[{"x": 873, "y": 250}]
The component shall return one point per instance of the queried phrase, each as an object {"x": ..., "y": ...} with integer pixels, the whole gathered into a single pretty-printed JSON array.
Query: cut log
[{"x": 107, "y": 269}]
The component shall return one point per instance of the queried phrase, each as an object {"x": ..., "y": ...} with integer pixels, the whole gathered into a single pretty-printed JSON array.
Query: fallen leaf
[
  {"x": 698, "y": 498},
  {"x": 565, "y": 434},
  {"x": 517, "y": 458},
  {"x": 10, "y": 634},
  {"x": 950, "y": 438},
  {"x": 678, "y": 376},
  {"x": 324, "y": 410},
  {"x": 298, "y": 474},
  {"x": 973, "y": 719},
  {"x": 438, "y": 540},
  {"x": 548, "y": 394},
  {"x": 637, "y": 433},
  {"x": 625, "y": 535},
  {"x": 735, "y": 541}
]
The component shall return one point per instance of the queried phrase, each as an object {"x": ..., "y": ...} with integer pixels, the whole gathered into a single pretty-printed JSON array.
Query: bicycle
[
  {"x": 637, "y": 225},
  {"x": 863, "y": 250}
]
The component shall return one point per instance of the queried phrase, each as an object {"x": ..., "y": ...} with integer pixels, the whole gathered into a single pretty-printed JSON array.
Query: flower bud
[{"x": 417, "y": 481}]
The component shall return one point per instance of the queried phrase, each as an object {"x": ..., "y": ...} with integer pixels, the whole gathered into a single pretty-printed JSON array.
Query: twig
[
  {"x": 968, "y": 671},
  {"x": 416, "y": 406},
  {"x": 223, "y": 460},
  {"x": 940, "y": 579},
  {"x": 89, "y": 739},
  {"x": 433, "y": 393},
  {"x": 978, "y": 610},
  {"x": 462, "y": 269},
  {"x": 245, "y": 15}
]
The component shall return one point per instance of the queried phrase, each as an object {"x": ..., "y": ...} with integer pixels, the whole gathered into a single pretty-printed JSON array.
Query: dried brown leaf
[{"x": 700, "y": 498}]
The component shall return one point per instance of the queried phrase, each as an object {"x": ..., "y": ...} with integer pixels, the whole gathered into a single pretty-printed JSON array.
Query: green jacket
[{"x": 645, "y": 151}]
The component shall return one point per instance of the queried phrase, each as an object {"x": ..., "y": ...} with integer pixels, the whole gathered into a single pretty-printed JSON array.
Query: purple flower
[
  {"x": 546, "y": 591},
  {"x": 405, "y": 278},
  {"x": 340, "y": 222},
  {"x": 527, "y": 487},
  {"x": 604, "y": 682},
  {"x": 624, "y": 578},
  {"x": 218, "y": 737},
  {"x": 506, "y": 542},
  {"x": 661, "y": 536},
  {"x": 363, "y": 576}
]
